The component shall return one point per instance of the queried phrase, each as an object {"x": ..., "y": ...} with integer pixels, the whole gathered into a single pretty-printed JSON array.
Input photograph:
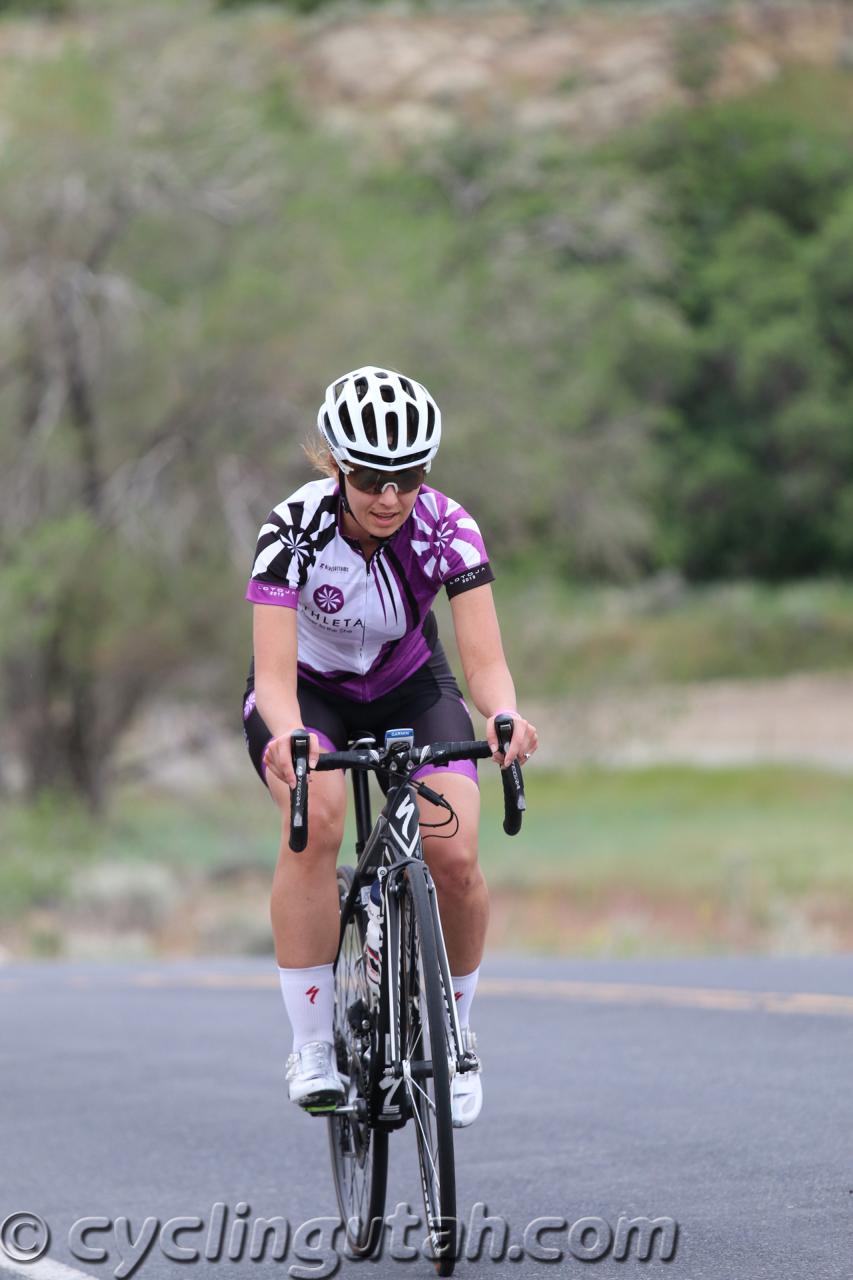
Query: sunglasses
[{"x": 371, "y": 480}]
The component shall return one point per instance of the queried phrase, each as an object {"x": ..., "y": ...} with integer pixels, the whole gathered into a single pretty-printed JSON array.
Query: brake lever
[
  {"x": 299, "y": 794},
  {"x": 513, "y": 782}
]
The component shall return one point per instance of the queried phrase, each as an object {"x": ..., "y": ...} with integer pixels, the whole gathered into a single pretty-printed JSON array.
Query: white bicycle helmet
[{"x": 377, "y": 418}]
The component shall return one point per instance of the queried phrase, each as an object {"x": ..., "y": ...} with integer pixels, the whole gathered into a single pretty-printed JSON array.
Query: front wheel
[
  {"x": 359, "y": 1152},
  {"x": 426, "y": 1050}
]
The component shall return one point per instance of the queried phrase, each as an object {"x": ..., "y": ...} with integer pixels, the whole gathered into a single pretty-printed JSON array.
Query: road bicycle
[{"x": 398, "y": 1042}]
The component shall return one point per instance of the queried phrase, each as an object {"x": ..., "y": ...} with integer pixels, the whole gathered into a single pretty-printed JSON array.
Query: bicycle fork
[{"x": 397, "y": 1070}]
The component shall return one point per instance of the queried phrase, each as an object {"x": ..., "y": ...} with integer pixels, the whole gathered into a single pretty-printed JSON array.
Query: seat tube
[{"x": 363, "y": 820}]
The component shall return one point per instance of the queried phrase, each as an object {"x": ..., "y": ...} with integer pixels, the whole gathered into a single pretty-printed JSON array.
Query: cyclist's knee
[
  {"x": 326, "y": 813},
  {"x": 454, "y": 867},
  {"x": 325, "y": 832}
]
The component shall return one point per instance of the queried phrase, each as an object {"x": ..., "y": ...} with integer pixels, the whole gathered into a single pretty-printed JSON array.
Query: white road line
[
  {"x": 44, "y": 1269},
  {"x": 722, "y": 999}
]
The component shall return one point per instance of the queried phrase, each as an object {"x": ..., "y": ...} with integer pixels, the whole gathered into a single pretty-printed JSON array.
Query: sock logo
[
  {"x": 312, "y": 993},
  {"x": 457, "y": 995}
]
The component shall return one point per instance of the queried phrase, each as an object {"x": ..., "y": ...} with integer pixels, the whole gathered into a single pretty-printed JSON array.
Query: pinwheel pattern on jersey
[
  {"x": 451, "y": 541},
  {"x": 287, "y": 548}
]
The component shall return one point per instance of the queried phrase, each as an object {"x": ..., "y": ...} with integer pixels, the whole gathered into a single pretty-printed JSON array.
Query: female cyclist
[{"x": 345, "y": 643}]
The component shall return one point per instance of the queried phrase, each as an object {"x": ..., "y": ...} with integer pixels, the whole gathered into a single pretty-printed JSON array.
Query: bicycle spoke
[
  {"x": 359, "y": 1154},
  {"x": 424, "y": 1093},
  {"x": 426, "y": 1143},
  {"x": 424, "y": 1040}
]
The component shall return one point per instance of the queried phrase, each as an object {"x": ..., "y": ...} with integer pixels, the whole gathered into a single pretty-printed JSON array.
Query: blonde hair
[{"x": 320, "y": 458}]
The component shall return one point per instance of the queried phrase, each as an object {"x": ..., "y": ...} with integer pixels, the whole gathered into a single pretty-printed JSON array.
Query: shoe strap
[{"x": 312, "y": 1058}]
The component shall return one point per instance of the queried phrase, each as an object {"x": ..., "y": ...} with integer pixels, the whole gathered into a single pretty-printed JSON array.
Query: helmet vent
[
  {"x": 407, "y": 387},
  {"x": 392, "y": 431},
  {"x": 346, "y": 422},
  {"x": 331, "y": 436},
  {"x": 387, "y": 394},
  {"x": 368, "y": 421},
  {"x": 361, "y": 387},
  {"x": 381, "y": 375},
  {"x": 411, "y": 424},
  {"x": 430, "y": 417}
]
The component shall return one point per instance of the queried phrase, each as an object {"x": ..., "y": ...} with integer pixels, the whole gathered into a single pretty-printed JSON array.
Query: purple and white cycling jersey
[{"x": 364, "y": 626}]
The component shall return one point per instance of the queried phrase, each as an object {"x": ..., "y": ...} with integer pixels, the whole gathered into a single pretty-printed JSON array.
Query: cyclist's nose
[{"x": 388, "y": 498}]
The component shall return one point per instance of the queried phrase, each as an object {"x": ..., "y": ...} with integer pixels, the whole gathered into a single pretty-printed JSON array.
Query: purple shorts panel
[
  {"x": 326, "y": 744},
  {"x": 465, "y": 767}
]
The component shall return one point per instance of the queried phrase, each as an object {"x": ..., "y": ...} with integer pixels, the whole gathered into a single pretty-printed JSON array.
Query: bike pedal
[{"x": 321, "y": 1102}]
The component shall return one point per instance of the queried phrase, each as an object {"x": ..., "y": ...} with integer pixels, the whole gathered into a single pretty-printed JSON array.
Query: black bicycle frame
[
  {"x": 397, "y": 828},
  {"x": 363, "y": 820}
]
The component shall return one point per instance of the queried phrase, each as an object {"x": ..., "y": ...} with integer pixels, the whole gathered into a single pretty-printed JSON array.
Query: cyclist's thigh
[
  {"x": 464, "y": 795},
  {"x": 318, "y": 716},
  {"x": 448, "y": 720},
  {"x": 327, "y": 794}
]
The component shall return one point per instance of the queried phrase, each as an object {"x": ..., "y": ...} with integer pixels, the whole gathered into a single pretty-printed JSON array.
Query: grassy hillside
[
  {"x": 651, "y": 861},
  {"x": 566, "y": 641}
]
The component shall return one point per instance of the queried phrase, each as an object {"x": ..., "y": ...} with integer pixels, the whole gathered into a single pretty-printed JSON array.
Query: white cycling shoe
[
  {"x": 313, "y": 1077},
  {"x": 466, "y": 1089}
]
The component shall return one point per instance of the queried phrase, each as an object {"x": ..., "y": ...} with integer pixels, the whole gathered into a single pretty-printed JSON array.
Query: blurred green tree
[
  {"x": 758, "y": 458},
  {"x": 110, "y": 562}
]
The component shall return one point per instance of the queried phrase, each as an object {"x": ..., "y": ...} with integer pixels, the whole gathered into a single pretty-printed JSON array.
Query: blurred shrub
[
  {"x": 294, "y": 6},
  {"x": 52, "y": 8},
  {"x": 758, "y": 456},
  {"x": 697, "y": 53}
]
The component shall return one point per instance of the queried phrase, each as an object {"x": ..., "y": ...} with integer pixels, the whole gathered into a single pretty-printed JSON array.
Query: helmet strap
[{"x": 343, "y": 489}]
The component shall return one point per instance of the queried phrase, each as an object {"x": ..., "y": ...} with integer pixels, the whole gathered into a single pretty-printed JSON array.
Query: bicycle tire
[
  {"x": 358, "y": 1151},
  {"x": 422, "y": 989}
]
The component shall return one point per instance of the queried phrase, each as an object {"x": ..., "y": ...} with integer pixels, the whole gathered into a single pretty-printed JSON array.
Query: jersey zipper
[{"x": 368, "y": 561}]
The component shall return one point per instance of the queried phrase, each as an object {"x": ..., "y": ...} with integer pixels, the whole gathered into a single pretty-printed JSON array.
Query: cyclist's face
[{"x": 381, "y": 513}]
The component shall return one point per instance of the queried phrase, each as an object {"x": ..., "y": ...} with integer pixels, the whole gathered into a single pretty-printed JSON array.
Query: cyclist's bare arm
[
  {"x": 478, "y": 639},
  {"x": 274, "y": 631}
]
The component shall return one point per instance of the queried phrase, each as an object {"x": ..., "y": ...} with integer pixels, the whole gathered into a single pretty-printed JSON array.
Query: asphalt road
[{"x": 717, "y": 1093}]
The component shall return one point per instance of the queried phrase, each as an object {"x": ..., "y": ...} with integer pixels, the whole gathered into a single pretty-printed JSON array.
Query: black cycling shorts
[{"x": 429, "y": 702}]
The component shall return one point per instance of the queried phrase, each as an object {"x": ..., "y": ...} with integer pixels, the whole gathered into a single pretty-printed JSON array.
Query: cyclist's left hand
[{"x": 524, "y": 742}]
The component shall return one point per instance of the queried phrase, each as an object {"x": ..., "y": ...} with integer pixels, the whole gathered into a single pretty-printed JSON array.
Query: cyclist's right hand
[{"x": 278, "y": 759}]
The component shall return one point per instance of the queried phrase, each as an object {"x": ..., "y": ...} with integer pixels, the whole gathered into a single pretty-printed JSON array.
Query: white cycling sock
[
  {"x": 463, "y": 990},
  {"x": 309, "y": 998}
]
